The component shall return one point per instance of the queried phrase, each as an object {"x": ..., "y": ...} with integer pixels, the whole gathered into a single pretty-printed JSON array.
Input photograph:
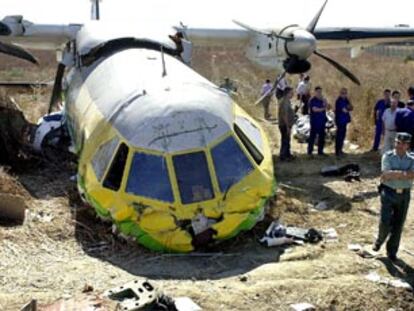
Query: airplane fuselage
[{"x": 165, "y": 153}]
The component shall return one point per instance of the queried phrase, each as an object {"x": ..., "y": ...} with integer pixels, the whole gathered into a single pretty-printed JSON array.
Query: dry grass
[{"x": 375, "y": 73}]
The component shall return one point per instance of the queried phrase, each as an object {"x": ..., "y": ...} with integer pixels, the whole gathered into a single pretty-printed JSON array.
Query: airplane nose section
[{"x": 303, "y": 45}]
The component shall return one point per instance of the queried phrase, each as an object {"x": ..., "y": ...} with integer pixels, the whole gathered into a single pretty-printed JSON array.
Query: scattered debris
[
  {"x": 41, "y": 217},
  {"x": 350, "y": 171},
  {"x": 277, "y": 235},
  {"x": 354, "y": 247},
  {"x": 87, "y": 288},
  {"x": 142, "y": 295},
  {"x": 304, "y": 306},
  {"x": 243, "y": 278},
  {"x": 321, "y": 206},
  {"x": 398, "y": 283},
  {"x": 408, "y": 251},
  {"x": 330, "y": 235},
  {"x": 12, "y": 208},
  {"x": 30, "y": 306},
  {"x": 366, "y": 253},
  {"x": 186, "y": 304}
]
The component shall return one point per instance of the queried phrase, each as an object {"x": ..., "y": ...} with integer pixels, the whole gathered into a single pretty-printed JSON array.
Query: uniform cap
[{"x": 403, "y": 137}]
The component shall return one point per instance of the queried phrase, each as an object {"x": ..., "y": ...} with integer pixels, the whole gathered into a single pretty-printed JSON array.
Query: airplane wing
[
  {"x": 229, "y": 36},
  {"x": 331, "y": 37},
  {"x": 16, "y": 30}
]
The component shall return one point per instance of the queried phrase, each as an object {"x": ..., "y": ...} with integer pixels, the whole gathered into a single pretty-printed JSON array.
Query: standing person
[
  {"x": 389, "y": 128},
  {"x": 286, "y": 121},
  {"x": 404, "y": 121},
  {"x": 317, "y": 106},
  {"x": 379, "y": 109},
  {"x": 266, "y": 88},
  {"x": 343, "y": 107},
  {"x": 303, "y": 91},
  {"x": 281, "y": 86},
  {"x": 396, "y": 95},
  {"x": 396, "y": 181}
]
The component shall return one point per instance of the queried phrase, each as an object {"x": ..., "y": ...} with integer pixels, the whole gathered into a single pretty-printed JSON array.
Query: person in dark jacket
[{"x": 343, "y": 107}]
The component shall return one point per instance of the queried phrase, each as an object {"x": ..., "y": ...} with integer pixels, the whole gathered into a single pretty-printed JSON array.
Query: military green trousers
[{"x": 394, "y": 209}]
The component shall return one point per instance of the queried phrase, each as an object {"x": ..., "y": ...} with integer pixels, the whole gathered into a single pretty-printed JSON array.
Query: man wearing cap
[
  {"x": 396, "y": 182},
  {"x": 379, "y": 109}
]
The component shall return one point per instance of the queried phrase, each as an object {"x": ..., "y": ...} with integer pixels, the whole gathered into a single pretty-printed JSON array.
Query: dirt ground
[{"x": 62, "y": 247}]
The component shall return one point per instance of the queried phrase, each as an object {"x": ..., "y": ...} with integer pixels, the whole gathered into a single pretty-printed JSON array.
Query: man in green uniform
[{"x": 396, "y": 182}]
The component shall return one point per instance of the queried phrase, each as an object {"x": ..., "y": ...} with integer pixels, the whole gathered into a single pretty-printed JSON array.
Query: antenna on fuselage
[
  {"x": 95, "y": 10},
  {"x": 164, "y": 69}
]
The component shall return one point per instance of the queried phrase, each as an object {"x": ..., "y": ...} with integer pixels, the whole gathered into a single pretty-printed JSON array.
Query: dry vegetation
[{"x": 48, "y": 260}]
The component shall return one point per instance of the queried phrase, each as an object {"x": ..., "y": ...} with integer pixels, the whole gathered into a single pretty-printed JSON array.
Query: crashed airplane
[{"x": 164, "y": 153}]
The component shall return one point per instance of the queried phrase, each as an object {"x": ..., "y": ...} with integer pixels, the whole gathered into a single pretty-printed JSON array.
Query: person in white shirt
[
  {"x": 389, "y": 128},
  {"x": 303, "y": 91},
  {"x": 266, "y": 92},
  {"x": 281, "y": 86}
]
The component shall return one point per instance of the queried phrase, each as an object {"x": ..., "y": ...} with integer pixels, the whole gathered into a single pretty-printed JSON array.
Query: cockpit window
[
  {"x": 248, "y": 144},
  {"x": 251, "y": 131},
  {"x": 148, "y": 177},
  {"x": 193, "y": 177},
  {"x": 230, "y": 162},
  {"x": 102, "y": 157},
  {"x": 114, "y": 177}
]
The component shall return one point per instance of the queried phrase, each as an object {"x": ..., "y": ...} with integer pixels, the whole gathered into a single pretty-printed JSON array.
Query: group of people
[
  {"x": 394, "y": 120},
  {"x": 391, "y": 115},
  {"x": 316, "y": 106}
]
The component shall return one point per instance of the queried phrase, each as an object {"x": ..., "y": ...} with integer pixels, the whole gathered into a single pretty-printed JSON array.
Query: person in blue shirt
[
  {"x": 343, "y": 107},
  {"x": 317, "y": 108},
  {"x": 397, "y": 176},
  {"x": 379, "y": 109},
  {"x": 404, "y": 120}
]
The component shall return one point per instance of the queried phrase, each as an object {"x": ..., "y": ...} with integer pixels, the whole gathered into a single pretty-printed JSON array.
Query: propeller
[
  {"x": 14, "y": 50},
  {"x": 57, "y": 87},
  {"x": 278, "y": 79},
  {"x": 306, "y": 45},
  {"x": 262, "y": 32},
  {"x": 338, "y": 66},
  {"x": 312, "y": 25},
  {"x": 299, "y": 47}
]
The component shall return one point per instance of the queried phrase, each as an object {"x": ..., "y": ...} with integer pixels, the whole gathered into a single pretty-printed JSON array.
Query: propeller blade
[
  {"x": 272, "y": 89},
  {"x": 312, "y": 25},
  {"x": 14, "y": 50},
  {"x": 57, "y": 87},
  {"x": 338, "y": 66},
  {"x": 262, "y": 32}
]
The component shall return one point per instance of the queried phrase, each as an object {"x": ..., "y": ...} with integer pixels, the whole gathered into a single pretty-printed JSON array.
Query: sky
[{"x": 217, "y": 13}]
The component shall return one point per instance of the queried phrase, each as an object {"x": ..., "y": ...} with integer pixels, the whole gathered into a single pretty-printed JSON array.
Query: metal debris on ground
[
  {"x": 186, "y": 304},
  {"x": 350, "y": 171},
  {"x": 41, "y": 217},
  {"x": 321, "y": 206},
  {"x": 304, "y": 306},
  {"x": 354, "y": 247},
  {"x": 398, "y": 283},
  {"x": 330, "y": 235},
  {"x": 366, "y": 253},
  {"x": 277, "y": 235}
]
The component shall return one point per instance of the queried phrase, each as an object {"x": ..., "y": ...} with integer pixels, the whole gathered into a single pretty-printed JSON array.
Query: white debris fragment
[
  {"x": 321, "y": 206},
  {"x": 353, "y": 147},
  {"x": 186, "y": 304},
  {"x": 304, "y": 306},
  {"x": 354, "y": 247},
  {"x": 398, "y": 283},
  {"x": 330, "y": 235}
]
